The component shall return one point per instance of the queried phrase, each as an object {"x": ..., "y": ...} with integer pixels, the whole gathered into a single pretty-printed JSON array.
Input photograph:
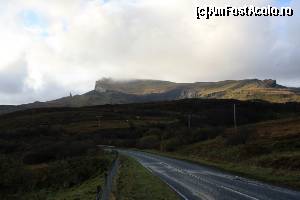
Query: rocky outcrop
[
  {"x": 189, "y": 94},
  {"x": 101, "y": 85},
  {"x": 100, "y": 89},
  {"x": 270, "y": 83}
]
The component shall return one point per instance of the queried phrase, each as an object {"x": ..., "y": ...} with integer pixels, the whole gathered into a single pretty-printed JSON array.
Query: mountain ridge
[{"x": 110, "y": 91}]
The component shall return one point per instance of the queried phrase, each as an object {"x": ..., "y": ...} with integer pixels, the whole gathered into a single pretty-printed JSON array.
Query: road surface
[{"x": 194, "y": 182}]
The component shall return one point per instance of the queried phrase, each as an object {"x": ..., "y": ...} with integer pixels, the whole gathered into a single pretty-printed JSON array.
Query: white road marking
[
  {"x": 203, "y": 177},
  {"x": 180, "y": 194},
  {"x": 184, "y": 197},
  {"x": 240, "y": 193},
  {"x": 197, "y": 177}
]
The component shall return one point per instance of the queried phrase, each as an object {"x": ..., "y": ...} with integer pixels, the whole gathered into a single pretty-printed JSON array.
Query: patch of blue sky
[
  {"x": 44, "y": 34},
  {"x": 283, "y": 2},
  {"x": 34, "y": 20},
  {"x": 103, "y": 1}
]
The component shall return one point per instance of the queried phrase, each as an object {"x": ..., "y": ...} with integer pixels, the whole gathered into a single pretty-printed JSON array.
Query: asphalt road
[{"x": 194, "y": 182}]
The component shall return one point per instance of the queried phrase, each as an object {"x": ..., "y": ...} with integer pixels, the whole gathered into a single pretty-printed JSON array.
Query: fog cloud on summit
[{"x": 49, "y": 48}]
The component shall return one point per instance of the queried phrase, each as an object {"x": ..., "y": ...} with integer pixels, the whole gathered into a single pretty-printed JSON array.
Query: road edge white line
[
  {"x": 173, "y": 188},
  {"x": 240, "y": 193}
]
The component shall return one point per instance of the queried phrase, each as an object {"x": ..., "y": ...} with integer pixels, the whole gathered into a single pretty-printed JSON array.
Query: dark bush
[
  {"x": 171, "y": 144},
  {"x": 73, "y": 171},
  {"x": 47, "y": 152},
  {"x": 38, "y": 157},
  {"x": 251, "y": 150},
  {"x": 13, "y": 175},
  {"x": 149, "y": 142},
  {"x": 207, "y": 133},
  {"x": 241, "y": 136}
]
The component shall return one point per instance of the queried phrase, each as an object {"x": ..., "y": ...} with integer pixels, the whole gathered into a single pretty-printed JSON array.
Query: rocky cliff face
[
  {"x": 271, "y": 83},
  {"x": 247, "y": 89},
  {"x": 101, "y": 85},
  {"x": 100, "y": 88}
]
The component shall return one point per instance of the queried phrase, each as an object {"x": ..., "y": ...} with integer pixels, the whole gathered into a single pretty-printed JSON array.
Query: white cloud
[{"x": 84, "y": 40}]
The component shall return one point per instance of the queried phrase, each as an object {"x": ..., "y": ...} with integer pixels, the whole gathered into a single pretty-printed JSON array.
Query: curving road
[{"x": 194, "y": 182}]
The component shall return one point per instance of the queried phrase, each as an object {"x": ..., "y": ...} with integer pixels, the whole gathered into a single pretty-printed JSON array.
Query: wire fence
[{"x": 104, "y": 193}]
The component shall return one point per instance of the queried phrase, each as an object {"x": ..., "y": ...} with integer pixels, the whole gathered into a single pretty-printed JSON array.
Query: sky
[{"x": 51, "y": 48}]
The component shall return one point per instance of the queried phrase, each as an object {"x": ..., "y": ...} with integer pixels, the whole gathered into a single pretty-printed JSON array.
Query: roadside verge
[{"x": 134, "y": 182}]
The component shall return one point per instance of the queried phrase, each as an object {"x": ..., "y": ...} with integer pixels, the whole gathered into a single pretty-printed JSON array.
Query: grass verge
[{"x": 134, "y": 182}]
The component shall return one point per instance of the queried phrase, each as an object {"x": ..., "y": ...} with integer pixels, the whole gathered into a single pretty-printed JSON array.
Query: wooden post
[
  {"x": 189, "y": 120},
  {"x": 234, "y": 116},
  {"x": 99, "y": 121}
]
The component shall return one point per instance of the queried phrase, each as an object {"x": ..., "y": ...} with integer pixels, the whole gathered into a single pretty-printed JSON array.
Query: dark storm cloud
[{"x": 13, "y": 77}]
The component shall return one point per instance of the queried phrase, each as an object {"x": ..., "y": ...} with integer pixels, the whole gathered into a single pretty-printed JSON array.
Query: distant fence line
[{"x": 104, "y": 192}]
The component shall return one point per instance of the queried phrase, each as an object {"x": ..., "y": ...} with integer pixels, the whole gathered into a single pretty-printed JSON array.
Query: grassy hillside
[
  {"x": 205, "y": 112},
  {"x": 38, "y": 161},
  {"x": 268, "y": 151},
  {"x": 37, "y": 141}
]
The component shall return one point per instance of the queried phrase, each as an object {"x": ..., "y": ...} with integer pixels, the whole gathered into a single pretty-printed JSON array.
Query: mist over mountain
[{"x": 110, "y": 91}]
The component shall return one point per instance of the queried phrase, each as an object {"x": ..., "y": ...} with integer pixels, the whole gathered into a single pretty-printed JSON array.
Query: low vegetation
[
  {"x": 134, "y": 182},
  {"x": 39, "y": 162},
  {"x": 265, "y": 151},
  {"x": 84, "y": 191},
  {"x": 54, "y": 149}
]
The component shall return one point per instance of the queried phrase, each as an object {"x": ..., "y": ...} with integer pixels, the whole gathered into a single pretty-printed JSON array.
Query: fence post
[{"x": 99, "y": 193}]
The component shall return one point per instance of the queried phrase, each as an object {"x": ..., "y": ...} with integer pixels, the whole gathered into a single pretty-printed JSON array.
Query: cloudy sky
[{"x": 49, "y": 48}]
